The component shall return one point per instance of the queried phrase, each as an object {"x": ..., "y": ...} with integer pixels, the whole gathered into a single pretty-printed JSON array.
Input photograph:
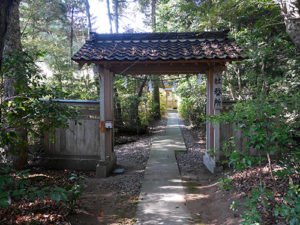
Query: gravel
[
  {"x": 191, "y": 162},
  {"x": 133, "y": 158}
]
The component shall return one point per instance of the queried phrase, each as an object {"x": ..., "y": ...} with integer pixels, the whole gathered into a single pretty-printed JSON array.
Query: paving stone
[{"x": 162, "y": 196}]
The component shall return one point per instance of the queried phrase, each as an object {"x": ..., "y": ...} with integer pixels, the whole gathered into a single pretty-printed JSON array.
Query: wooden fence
[{"x": 76, "y": 147}]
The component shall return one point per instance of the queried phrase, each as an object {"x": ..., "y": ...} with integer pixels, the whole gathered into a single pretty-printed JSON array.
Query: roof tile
[{"x": 158, "y": 46}]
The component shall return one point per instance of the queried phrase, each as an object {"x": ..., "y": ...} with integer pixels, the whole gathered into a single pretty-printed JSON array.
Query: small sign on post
[
  {"x": 102, "y": 126},
  {"x": 109, "y": 124},
  {"x": 217, "y": 90}
]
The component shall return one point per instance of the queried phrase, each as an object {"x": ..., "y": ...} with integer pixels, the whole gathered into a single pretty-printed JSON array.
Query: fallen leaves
[
  {"x": 244, "y": 182},
  {"x": 39, "y": 211}
]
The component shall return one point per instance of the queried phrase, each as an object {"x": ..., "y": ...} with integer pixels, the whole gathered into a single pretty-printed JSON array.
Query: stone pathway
[{"x": 162, "y": 196}]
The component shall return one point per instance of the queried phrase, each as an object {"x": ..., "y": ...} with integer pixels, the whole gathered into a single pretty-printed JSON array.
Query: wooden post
[
  {"x": 213, "y": 106},
  {"x": 217, "y": 92},
  {"x": 209, "y": 110},
  {"x": 102, "y": 116},
  {"x": 107, "y": 157}
]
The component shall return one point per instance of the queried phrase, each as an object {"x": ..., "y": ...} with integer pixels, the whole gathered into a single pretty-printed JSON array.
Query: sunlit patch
[
  {"x": 39, "y": 175},
  {"x": 171, "y": 187},
  {"x": 176, "y": 180},
  {"x": 208, "y": 186},
  {"x": 197, "y": 196},
  {"x": 173, "y": 198}
]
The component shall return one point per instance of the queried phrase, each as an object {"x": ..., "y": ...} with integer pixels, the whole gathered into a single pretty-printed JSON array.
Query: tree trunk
[
  {"x": 156, "y": 83},
  {"x": 156, "y": 98},
  {"x": 291, "y": 12},
  {"x": 13, "y": 43},
  {"x": 139, "y": 95},
  {"x": 109, "y": 16},
  {"x": 5, "y": 8},
  {"x": 118, "y": 111},
  {"x": 116, "y": 15},
  {"x": 153, "y": 17},
  {"x": 87, "y": 6},
  {"x": 71, "y": 35}
]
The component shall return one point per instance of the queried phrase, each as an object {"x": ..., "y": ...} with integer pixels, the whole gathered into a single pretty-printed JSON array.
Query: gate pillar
[
  {"x": 213, "y": 107},
  {"x": 106, "y": 125}
]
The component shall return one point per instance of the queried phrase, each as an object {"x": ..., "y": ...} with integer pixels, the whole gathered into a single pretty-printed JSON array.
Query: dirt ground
[
  {"x": 207, "y": 202},
  {"x": 104, "y": 206},
  {"x": 114, "y": 200}
]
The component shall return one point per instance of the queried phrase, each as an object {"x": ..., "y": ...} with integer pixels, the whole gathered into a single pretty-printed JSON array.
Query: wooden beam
[
  {"x": 220, "y": 68},
  {"x": 159, "y": 68},
  {"x": 109, "y": 63}
]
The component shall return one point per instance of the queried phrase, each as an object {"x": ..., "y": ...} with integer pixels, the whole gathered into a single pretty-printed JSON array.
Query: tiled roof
[{"x": 158, "y": 46}]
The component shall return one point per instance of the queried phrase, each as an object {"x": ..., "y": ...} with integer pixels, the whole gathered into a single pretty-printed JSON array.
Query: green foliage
[
  {"x": 268, "y": 124},
  {"x": 214, "y": 14},
  {"x": 211, "y": 152},
  {"x": 60, "y": 29},
  {"x": 237, "y": 158},
  {"x": 137, "y": 106},
  {"x": 225, "y": 183},
  {"x": 15, "y": 185},
  {"x": 260, "y": 198},
  {"x": 234, "y": 206},
  {"x": 192, "y": 101},
  {"x": 163, "y": 107},
  {"x": 26, "y": 109},
  {"x": 10, "y": 188},
  {"x": 153, "y": 106},
  {"x": 251, "y": 215},
  {"x": 290, "y": 209},
  {"x": 265, "y": 86},
  {"x": 76, "y": 190}
]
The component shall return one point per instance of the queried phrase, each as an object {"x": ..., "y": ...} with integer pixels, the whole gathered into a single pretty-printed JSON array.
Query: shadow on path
[{"x": 162, "y": 196}]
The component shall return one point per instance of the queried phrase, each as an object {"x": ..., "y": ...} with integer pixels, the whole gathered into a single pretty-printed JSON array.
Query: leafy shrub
[
  {"x": 15, "y": 185},
  {"x": 24, "y": 115},
  {"x": 225, "y": 183},
  {"x": 192, "y": 102},
  {"x": 290, "y": 209},
  {"x": 268, "y": 126}
]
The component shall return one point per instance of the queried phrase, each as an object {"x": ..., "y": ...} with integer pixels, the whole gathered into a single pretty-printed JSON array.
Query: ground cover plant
[
  {"x": 268, "y": 163},
  {"x": 39, "y": 196},
  {"x": 27, "y": 197}
]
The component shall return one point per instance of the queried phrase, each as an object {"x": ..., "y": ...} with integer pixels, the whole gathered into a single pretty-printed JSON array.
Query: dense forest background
[{"x": 38, "y": 39}]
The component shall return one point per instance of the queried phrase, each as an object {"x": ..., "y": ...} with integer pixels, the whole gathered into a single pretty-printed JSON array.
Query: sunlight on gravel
[
  {"x": 133, "y": 158},
  {"x": 191, "y": 162}
]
